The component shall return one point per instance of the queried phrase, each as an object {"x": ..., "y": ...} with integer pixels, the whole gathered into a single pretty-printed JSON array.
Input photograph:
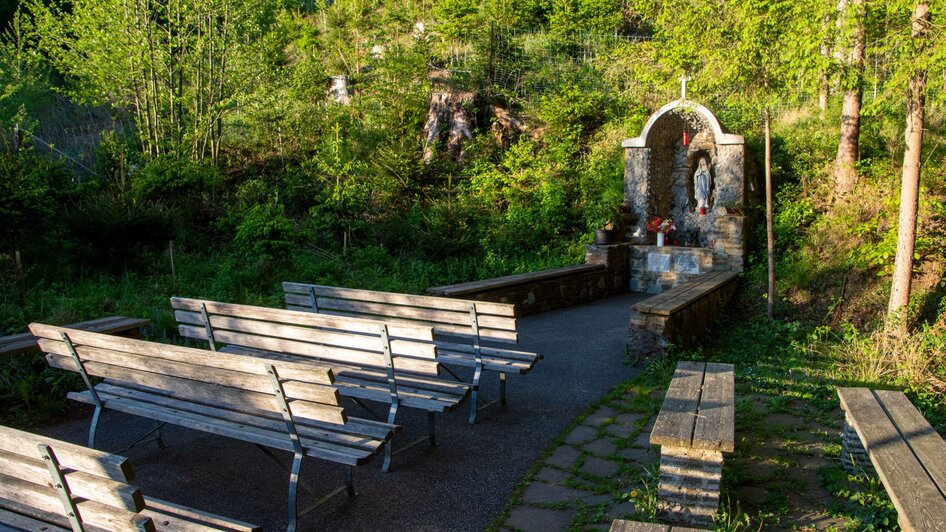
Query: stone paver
[
  {"x": 620, "y": 430},
  {"x": 643, "y": 456},
  {"x": 620, "y": 509},
  {"x": 552, "y": 476},
  {"x": 540, "y": 492},
  {"x": 628, "y": 418},
  {"x": 600, "y": 416},
  {"x": 581, "y": 434},
  {"x": 601, "y": 447},
  {"x": 530, "y": 519},
  {"x": 563, "y": 457},
  {"x": 643, "y": 439},
  {"x": 599, "y": 468}
]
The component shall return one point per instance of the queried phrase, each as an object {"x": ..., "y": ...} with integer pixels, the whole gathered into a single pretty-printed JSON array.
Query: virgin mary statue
[{"x": 701, "y": 185}]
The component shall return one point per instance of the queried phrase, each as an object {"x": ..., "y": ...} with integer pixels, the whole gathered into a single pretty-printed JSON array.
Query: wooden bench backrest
[
  {"x": 97, "y": 483},
  {"x": 448, "y": 316},
  {"x": 234, "y": 382},
  {"x": 334, "y": 339}
]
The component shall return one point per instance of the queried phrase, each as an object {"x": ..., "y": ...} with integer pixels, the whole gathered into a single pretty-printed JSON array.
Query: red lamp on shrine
[{"x": 686, "y": 136}]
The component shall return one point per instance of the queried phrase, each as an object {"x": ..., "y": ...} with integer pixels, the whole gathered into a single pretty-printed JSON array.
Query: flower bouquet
[{"x": 661, "y": 226}]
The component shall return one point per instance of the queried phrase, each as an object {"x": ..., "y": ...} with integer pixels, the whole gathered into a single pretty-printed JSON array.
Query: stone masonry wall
[
  {"x": 655, "y": 269},
  {"x": 541, "y": 295}
]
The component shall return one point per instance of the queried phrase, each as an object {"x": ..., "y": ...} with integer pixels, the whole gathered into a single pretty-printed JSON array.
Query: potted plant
[
  {"x": 661, "y": 226},
  {"x": 607, "y": 235},
  {"x": 604, "y": 217}
]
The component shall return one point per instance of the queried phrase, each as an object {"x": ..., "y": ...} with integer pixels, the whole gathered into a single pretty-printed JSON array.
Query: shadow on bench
[{"x": 48, "y": 484}]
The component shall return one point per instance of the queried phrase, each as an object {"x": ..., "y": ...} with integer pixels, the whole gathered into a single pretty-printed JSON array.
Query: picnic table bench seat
[
  {"x": 391, "y": 363},
  {"x": 696, "y": 424},
  {"x": 48, "y": 484},
  {"x": 289, "y": 404},
  {"x": 461, "y": 327},
  {"x": 885, "y": 433},
  {"x": 19, "y": 343}
]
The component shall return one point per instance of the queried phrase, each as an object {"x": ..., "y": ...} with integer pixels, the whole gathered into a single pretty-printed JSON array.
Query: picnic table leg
[
  {"x": 853, "y": 454},
  {"x": 689, "y": 484}
]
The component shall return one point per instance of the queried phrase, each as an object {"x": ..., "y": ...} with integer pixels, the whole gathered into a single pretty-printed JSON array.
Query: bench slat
[
  {"x": 918, "y": 501},
  {"x": 81, "y": 484},
  {"x": 289, "y": 367},
  {"x": 928, "y": 446},
  {"x": 311, "y": 352},
  {"x": 489, "y": 363},
  {"x": 307, "y": 334},
  {"x": 308, "y": 319},
  {"x": 223, "y": 427},
  {"x": 460, "y": 305},
  {"x": 46, "y": 499},
  {"x": 493, "y": 335},
  {"x": 70, "y": 456},
  {"x": 352, "y": 434},
  {"x": 195, "y": 390},
  {"x": 174, "y": 517},
  {"x": 221, "y": 376},
  {"x": 715, "y": 424},
  {"x": 24, "y": 522},
  {"x": 370, "y": 310},
  {"x": 666, "y": 303},
  {"x": 675, "y": 422}
]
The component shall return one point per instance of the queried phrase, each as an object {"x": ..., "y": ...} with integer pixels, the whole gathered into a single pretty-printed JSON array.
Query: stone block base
[
  {"x": 689, "y": 485},
  {"x": 854, "y": 457}
]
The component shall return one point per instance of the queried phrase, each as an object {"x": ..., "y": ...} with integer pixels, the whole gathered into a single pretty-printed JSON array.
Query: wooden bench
[
  {"x": 621, "y": 525},
  {"x": 476, "y": 287},
  {"x": 902, "y": 447},
  {"x": 291, "y": 405},
  {"x": 391, "y": 363},
  {"x": 680, "y": 314},
  {"x": 48, "y": 484},
  {"x": 694, "y": 427},
  {"x": 460, "y": 327},
  {"x": 120, "y": 325}
]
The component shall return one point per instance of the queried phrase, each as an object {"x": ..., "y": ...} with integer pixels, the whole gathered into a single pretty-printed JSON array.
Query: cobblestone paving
[{"x": 593, "y": 476}]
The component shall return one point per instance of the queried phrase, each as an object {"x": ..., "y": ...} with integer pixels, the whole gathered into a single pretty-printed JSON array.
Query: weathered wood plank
[
  {"x": 70, "y": 456},
  {"x": 462, "y": 331},
  {"x": 222, "y": 376},
  {"x": 19, "y": 343},
  {"x": 23, "y": 522},
  {"x": 512, "y": 280},
  {"x": 681, "y": 290},
  {"x": 621, "y": 525},
  {"x": 192, "y": 390},
  {"x": 290, "y": 367},
  {"x": 290, "y": 331},
  {"x": 698, "y": 292},
  {"x": 352, "y": 434},
  {"x": 46, "y": 499},
  {"x": 370, "y": 310},
  {"x": 81, "y": 484},
  {"x": 715, "y": 421},
  {"x": 909, "y": 486},
  {"x": 482, "y": 307},
  {"x": 677, "y": 418},
  {"x": 927, "y": 445},
  {"x": 315, "y": 353},
  {"x": 307, "y": 319},
  {"x": 223, "y": 427},
  {"x": 169, "y": 516}
]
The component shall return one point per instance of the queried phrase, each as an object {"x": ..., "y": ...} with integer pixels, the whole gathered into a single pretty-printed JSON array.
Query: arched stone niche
[{"x": 659, "y": 181}]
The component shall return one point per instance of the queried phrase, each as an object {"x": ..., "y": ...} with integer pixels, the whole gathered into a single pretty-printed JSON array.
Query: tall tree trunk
[
  {"x": 827, "y": 48},
  {"x": 769, "y": 226},
  {"x": 909, "y": 187},
  {"x": 845, "y": 170}
]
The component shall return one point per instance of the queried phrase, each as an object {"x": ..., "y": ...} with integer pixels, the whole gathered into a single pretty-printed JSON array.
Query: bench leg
[
  {"x": 689, "y": 485},
  {"x": 431, "y": 429},
  {"x": 474, "y": 404},
  {"x": 502, "y": 388},
  {"x": 94, "y": 426},
  {"x": 294, "y": 492},
  {"x": 854, "y": 457}
]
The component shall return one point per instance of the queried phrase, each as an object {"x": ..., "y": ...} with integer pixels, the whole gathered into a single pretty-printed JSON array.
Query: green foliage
[
  {"x": 32, "y": 190},
  {"x": 265, "y": 232}
]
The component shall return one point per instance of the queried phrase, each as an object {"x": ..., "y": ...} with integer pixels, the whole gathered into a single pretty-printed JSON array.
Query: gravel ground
[{"x": 461, "y": 484}]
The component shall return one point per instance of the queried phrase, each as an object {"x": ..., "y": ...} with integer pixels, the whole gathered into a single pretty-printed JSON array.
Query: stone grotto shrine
[{"x": 685, "y": 166}]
